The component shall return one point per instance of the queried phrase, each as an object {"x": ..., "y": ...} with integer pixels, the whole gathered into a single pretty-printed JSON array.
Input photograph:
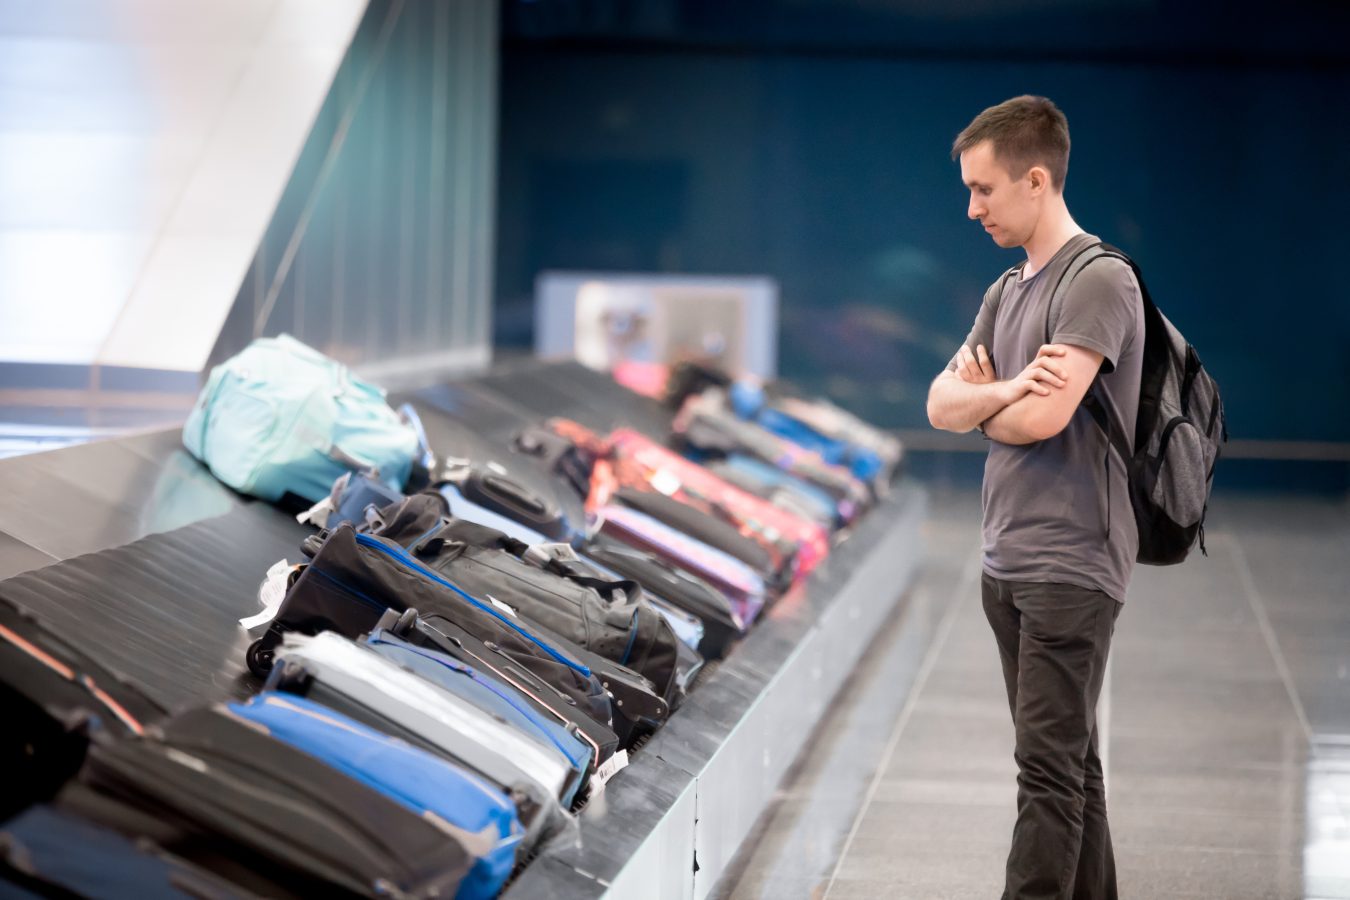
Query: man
[{"x": 1059, "y": 533}]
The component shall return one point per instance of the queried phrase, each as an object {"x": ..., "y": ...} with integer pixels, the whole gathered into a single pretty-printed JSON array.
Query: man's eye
[{"x": 986, "y": 191}]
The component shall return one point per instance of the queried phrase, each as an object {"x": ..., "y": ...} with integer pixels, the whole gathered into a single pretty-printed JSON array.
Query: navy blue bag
[{"x": 51, "y": 851}]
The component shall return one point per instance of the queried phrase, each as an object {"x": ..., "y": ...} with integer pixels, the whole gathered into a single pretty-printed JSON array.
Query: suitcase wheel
[
  {"x": 259, "y": 658},
  {"x": 405, "y": 624}
]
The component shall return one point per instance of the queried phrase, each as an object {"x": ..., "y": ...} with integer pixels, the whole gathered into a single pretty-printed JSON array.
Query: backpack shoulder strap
[
  {"x": 1077, "y": 263},
  {"x": 1003, "y": 282}
]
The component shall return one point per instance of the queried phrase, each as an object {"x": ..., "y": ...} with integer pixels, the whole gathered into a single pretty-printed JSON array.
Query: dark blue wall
[{"x": 826, "y": 166}]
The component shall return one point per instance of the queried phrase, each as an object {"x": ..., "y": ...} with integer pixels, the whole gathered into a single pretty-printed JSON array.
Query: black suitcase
[
  {"x": 608, "y": 617},
  {"x": 514, "y": 500},
  {"x": 493, "y": 474},
  {"x": 220, "y": 793},
  {"x": 567, "y": 462},
  {"x": 352, "y": 579},
  {"x": 54, "y": 698},
  {"x": 682, "y": 589}
]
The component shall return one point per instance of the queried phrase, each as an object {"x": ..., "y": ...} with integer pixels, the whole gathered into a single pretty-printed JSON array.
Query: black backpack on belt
[{"x": 1177, "y": 434}]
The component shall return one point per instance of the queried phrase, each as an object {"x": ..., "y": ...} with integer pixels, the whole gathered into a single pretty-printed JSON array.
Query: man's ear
[{"x": 1038, "y": 177}]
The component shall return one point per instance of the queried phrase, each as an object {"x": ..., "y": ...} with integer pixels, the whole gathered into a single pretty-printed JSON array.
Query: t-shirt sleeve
[
  {"x": 1099, "y": 311},
  {"x": 982, "y": 332}
]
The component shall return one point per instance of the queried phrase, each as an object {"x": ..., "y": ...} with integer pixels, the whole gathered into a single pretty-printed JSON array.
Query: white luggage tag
[
  {"x": 270, "y": 594},
  {"x": 607, "y": 770},
  {"x": 317, "y": 515}
]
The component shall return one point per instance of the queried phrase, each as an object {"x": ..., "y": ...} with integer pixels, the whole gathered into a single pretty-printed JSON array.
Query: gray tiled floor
[{"x": 1226, "y": 717}]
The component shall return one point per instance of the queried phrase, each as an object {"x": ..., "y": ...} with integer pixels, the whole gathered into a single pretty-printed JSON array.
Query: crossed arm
[{"x": 1035, "y": 405}]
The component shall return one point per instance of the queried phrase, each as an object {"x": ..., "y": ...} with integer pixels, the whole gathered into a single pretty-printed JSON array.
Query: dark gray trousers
[{"x": 1053, "y": 640}]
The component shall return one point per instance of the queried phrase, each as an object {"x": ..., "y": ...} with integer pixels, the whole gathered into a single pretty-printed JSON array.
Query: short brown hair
[{"x": 1025, "y": 131}]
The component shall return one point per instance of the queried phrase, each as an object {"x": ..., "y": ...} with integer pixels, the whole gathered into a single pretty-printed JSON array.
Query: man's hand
[
  {"x": 1051, "y": 388},
  {"x": 964, "y": 397},
  {"x": 1044, "y": 372},
  {"x": 975, "y": 368}
]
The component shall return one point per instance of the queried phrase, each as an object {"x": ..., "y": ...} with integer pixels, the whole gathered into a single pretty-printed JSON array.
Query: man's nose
[{"x": 975, "y": 210}]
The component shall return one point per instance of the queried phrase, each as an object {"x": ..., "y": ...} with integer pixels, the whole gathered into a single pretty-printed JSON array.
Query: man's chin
[{"x": 1006, "y": 241}]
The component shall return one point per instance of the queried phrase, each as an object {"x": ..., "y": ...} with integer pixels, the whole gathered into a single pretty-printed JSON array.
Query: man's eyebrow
[{"x": 974, "y": 184}]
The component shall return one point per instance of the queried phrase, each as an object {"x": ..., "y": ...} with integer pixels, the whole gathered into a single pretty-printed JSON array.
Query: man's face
[{"x": 1006, "y": 208}]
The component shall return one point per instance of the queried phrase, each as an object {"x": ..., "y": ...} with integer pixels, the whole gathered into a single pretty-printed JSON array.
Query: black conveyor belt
[{"x": 162, "y": 612}]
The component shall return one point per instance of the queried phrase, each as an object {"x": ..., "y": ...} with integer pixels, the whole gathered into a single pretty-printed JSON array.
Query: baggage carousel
[{"x": 134, "y": 552}]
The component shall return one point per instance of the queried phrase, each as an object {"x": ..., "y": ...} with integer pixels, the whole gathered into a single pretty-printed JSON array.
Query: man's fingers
[
  {"x": 1043, "y": 364},
  {"x": 986, "y": 363},
  {"x": 1042, "y": 373},
  {"x": 963, "y": 363},
  {"x": 1052, "y": 350},
  {"x": 973, "y": 372}
]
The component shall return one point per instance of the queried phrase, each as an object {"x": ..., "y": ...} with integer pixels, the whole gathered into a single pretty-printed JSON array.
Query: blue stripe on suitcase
[{"x": 480, "y": 817}]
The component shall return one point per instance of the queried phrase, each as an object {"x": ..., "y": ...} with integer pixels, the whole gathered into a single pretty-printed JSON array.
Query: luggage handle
[
  {"x": 513, "y": 493},
  {"x": 560, "y": 559},
  {"x": 436, "y": 542},
  {"x": 632, "y": 698}
]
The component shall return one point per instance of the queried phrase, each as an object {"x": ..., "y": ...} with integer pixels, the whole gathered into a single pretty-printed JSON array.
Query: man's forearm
[
  {"x": 1024, "y": 421},
  {"x": 955, "y": 405},
  {"x": 1010, "y": 424}
]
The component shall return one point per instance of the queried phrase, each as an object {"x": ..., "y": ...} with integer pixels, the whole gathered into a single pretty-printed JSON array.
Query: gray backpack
[{"x": 1177, "y": 434}]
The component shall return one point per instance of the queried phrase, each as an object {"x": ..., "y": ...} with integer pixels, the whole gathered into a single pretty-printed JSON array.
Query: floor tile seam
[
  {"x": 1227, "y": 721},
  {"x": 1258, "y": 607},
  {"x": 946, "y": 804},
  {"x": 1192, "y": 811},
  {"x": 968, "y": 579},
  {"x": 1128, "y": 846}
]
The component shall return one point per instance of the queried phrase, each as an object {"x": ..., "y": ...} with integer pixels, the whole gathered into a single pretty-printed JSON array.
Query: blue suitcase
[
  {"x": 482, "y": 817},
  {"x": 489, "y": 694}
]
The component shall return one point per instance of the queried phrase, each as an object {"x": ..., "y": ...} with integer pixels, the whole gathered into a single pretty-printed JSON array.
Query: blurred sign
[{"x": 605, "y": 321}]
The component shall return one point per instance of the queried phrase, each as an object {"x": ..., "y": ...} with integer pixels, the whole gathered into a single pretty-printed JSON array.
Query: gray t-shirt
[{"x": 1045, "y": 504}]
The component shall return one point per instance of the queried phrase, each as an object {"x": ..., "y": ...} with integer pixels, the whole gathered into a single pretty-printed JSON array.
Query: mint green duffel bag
[{"x": 280, "y": 416}]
